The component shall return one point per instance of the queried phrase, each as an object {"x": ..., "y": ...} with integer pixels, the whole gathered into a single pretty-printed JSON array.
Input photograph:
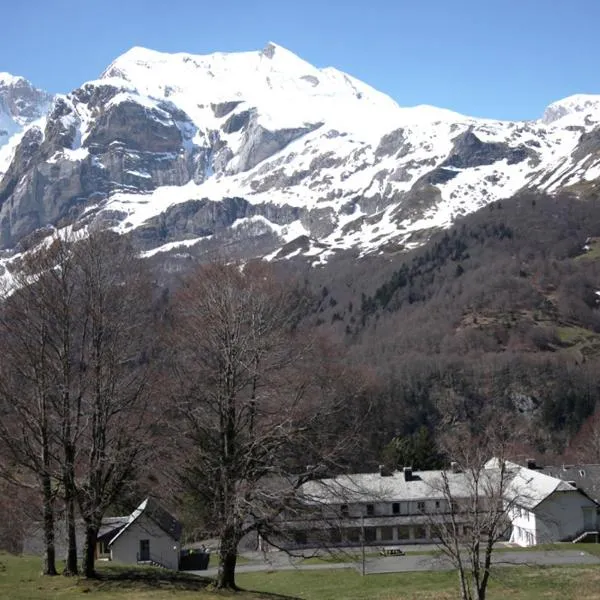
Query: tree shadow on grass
[
  {"x": 136, "y": 577},
  {"x": 269, "y": 595},
  {"x": 153, "y": 578}
]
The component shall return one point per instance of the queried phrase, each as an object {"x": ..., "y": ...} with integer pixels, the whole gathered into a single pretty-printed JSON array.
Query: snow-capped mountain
[
  {"x": 262, "y": 154},
  {"x": 21, "y": 104}
]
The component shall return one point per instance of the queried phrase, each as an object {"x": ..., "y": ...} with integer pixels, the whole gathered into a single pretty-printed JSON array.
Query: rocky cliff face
[
  {"x": 21, "y": 104},
  {"x": 264, "y": 154}
]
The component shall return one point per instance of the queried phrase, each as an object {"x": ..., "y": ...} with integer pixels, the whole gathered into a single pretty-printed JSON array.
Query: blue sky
[{"x": 493, "y": 58}]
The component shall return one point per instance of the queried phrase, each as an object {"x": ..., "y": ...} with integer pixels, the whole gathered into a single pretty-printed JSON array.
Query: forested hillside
[{"x": 501, "y": 308}]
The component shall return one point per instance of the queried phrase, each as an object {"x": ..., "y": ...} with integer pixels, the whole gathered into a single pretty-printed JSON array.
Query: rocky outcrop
[
  {"x": 22, "y": 101},
  {"x": 203, "y": 218},
  {"x": 136, "y": 127},
  {"x": 469, "y": 151},
  {"x": 260, "y": 143},
  {"x": 589, "y": 145}
]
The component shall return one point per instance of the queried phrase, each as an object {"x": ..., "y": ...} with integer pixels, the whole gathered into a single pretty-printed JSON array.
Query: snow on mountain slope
[
  {"x": 265, "y": 152},
  {"x": 21, "y": 105}
]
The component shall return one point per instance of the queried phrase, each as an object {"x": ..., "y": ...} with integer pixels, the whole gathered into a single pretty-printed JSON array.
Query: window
[
  {"x": 403, "y": 532},
  {"x": 335, "y": 536},
  {"x": 370, "y": 534},
  {"x": 420, "y": 532},
  {"x": 421, "y": 507},
  {"x": 387, "y": 534},
  {"x": 370, "y": 510},
  {"x": 396, "y": 508},
  {"x": 352, "y": 534},
  {"x": 344, "y": 510},
  {"x": 437, "y": 505}
]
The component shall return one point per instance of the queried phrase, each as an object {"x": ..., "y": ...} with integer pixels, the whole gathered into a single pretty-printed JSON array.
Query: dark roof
[
  {"x": 165, "y": 520},
  {"x": 110, "y": 527},
  {"x": 585, "y": 477},
  {"x": 153, "y": 510}
]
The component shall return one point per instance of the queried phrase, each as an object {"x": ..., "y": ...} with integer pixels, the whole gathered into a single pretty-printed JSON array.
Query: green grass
[
  {"x": 515, "y": 583},
  {"x": 573, "y": 335},
  {"x": 21, "y": 579},
  {"x": 593, "y": 253}
]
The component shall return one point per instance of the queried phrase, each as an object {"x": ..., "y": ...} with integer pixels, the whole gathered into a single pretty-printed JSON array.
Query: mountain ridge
[{"x": 161, "y": 145}]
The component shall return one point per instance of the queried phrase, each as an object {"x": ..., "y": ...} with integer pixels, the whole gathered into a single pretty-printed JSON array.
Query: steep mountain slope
[
  {"x": 262, "y": 154},
  {"x": 21, "y": 104},
  {"x": 502, "y": 308}
]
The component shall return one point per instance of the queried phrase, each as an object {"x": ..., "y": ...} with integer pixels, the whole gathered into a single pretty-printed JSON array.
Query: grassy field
[
  {"x": 20, "y": 579},
  {"x": 564, "y": 583}
]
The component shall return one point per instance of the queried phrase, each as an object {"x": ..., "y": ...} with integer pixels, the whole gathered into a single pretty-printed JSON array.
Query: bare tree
[
  {"x": 75, "y": 382},
  {"x": 477, "y": 500},
  {"x": 116, "y": 413},
  {"x": 29, "y": 428},
  {"x": 255, "y": 401},
  {"x": 585, "y": 445}
]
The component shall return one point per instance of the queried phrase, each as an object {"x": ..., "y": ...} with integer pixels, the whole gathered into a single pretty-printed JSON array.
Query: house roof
[
  {"x": 525, "y": 487},
  {"x": 110, "y": 526},
  {"x": 153, "y": 510},
  {"x": 586, "y": 477},
  {"x": 529, "y": 488},
  {"x": 363, "y": 487}
]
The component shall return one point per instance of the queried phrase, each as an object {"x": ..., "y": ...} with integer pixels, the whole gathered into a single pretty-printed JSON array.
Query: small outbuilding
[{"x": 150, "y": 536}]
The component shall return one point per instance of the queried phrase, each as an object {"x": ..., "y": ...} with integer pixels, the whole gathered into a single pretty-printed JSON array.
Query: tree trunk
[
  {"x": 50, "y": 553},
  {"x": 71, "y": 567},
  {"x": 227, "y": 560},
  {"x": 89, "y": 551}
]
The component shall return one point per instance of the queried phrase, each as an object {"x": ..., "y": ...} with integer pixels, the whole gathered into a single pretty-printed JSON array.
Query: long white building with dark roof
[{"x": 404, "y": 507}]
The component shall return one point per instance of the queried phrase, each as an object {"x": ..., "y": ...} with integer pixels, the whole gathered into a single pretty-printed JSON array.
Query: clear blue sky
[{"x": 493, "y": 58}]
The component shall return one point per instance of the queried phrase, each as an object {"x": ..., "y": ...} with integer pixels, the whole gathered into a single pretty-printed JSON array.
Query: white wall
[
  {"x": 560, "y": 516},
  {"x": 163, "y": 547},
  {"x": 524, "y": 526}
]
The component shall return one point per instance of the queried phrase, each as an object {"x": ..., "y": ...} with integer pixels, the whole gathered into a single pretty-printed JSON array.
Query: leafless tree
[
  {"x": 75, "y": 379},
  {"x": 115, "y": 388},
  {"x": 585, "y": 445},
  {"x": 477, "y": 500},
  {"x": 257, "y": 402},
  {"x": 29, "y": 428}
]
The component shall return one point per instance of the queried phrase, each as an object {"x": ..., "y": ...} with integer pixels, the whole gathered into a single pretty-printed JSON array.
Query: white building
[
  {"x": 407, "y": 506},
  {"x": 387, "y": 508},
  {"x": 148, "y": 535},
  {"x": 151, "y": 535},
  {"x": 546, "y": 509}
]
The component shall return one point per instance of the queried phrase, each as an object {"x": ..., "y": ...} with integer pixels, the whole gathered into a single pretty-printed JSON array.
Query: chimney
[
  {"x": 408, "y": 473},
  {"x": 531, "y": 463},
  {"x": 384, "y": 471}
]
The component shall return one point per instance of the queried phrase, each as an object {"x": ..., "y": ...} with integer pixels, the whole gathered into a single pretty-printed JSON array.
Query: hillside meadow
[{"x": 20, "y": 579}]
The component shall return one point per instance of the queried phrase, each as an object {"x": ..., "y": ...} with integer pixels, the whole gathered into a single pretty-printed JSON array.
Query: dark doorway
[{"x": 144, "y": 549}]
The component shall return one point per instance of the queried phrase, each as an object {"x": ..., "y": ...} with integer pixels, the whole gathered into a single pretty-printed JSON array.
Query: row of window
[
  {"x": 521, "y": 512},
  {"x": 353, "y": 535},
  {"x": 524, "y": 535},
  {"x": 421, "y": 507}
]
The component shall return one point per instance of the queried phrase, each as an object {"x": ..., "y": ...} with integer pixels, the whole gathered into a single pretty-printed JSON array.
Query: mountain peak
[
  {"x": 10, "y": 79},
  {"x": 270, "y": 49},
  {"x": 576, "y": 105}
]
